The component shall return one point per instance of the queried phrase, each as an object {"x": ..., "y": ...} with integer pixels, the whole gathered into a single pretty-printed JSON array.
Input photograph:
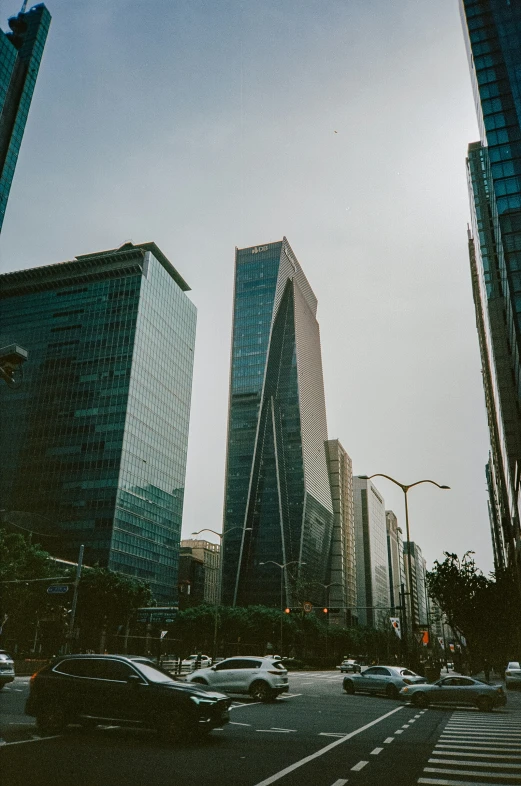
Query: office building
[
  {"x": 95, "y": 438},
  {"x": 492, "y": 31},
  {"x": 277, "y": 496},
  {"x": 21, "y": 51},
  {"x": 372, "y": 570},
  {"x": 415, "y": 583},
  {"x": 395, "y": 559},
  {"x": 199, "y": 570},
  {"x": 340, "y": 595}
]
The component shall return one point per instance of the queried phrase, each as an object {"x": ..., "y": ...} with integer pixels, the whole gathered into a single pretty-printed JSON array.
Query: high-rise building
[
  {"x": 341, "y": 591},
  {"x": 395, "y": 558},
  {"x": 21, "y": 51},
  {"x": 94, "y": 441},
  {"x": 372, "y": 570},
  {"x": 278, "y": 505},
  {"x": 492, "y": 30},
  {"x": 415, "y": 583},
  {"x": 208, "y": 556}
]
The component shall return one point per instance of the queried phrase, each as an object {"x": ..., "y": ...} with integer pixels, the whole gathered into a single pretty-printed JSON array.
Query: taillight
[
  {"x": 507, "y": 674},
  {"x": 277, "y": 671}
]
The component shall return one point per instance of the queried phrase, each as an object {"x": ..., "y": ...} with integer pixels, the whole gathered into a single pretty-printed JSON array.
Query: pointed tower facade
[{"x": 278, "y": 513}]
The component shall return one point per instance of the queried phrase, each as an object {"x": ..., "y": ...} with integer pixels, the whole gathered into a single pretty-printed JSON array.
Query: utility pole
[{"x": 75, "y": 596}]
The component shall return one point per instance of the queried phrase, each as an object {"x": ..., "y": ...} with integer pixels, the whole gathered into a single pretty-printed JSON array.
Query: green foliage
[
  {"x": 24, "y": 604},
  {"x": 485, "y": 610},
  {"x": 107, "y": 601}
]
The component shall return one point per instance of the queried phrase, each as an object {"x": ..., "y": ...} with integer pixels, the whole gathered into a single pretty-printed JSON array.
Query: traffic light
[
  {"x": 325, "y": 611},
  {"x": 287, "y": 611}
]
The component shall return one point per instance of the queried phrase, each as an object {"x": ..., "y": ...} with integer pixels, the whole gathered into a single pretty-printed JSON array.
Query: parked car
[
  {"x": 456, "y": 690},
  {"x": 262, "y": 678},
  {"x": 191, "y": 661},
  {"x": 92, "y": 689},
  {"x": 350, "y": 665},
  {"x": 388, "y": 680},
  {"x": 6, "y": 668},
  {"x": 513, "y": 674}
]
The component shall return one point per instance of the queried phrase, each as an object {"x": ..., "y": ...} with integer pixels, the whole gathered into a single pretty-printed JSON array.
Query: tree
[
  {"x": 24, "y": 599},
  {"x": 484, "y": 610},
  {"x": 106, "y": 601}
]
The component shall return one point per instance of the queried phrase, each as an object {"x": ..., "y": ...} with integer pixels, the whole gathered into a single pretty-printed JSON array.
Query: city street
[{"x": 314, "y": 736}]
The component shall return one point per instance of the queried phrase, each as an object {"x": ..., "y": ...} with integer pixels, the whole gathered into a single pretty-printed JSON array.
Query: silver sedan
[
  {"x": 388, "y": 680},
  {"x": 456, "y": 690}
]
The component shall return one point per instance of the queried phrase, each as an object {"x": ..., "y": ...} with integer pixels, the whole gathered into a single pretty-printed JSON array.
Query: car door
[
  {"x": 223, "y": 675},
  {"x": 368, "y": 680},
  {"x": 122, "y": 699},
  {"x": 244, "y": 673},
  {"x": 449, "y": 691},
  {"x": 384, "y": 678}
]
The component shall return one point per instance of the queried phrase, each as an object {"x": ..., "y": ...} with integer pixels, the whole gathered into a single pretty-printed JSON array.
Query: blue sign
[{"x": 57, "y": 589}]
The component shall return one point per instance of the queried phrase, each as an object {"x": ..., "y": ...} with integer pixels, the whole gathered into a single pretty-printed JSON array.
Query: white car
[
  {"x": 513, "y": 674},
  {"x": 189, "y": 663},
  {"x": 262, "y": 678},
  {"x": 6, "y": 668}
]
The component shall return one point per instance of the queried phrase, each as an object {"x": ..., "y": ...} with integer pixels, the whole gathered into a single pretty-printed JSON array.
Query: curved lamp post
[
  {"x": 221, "y": 536},
  {"x": 282, "y": 569},
  {"x": 405, "y": 488}
]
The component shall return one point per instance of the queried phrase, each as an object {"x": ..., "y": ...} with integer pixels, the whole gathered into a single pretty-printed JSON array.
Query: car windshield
[
  {"x": 513, "y": 665},
  {"x": 152, "y": 674},
  {"x": 407, "y": 673}
]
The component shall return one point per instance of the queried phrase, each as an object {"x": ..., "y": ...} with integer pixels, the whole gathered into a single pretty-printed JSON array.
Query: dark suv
[{"x": 92, "y": 689}]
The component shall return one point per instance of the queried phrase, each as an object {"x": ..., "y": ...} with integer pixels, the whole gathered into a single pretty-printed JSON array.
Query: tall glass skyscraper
[
  {"x": 94, "y": 441},
  {"x": 278, "y": 504},
  {"x": 20, "y": 54},
  {"x": 372, "y": 567},
  {"x": 493, "y": 37}
]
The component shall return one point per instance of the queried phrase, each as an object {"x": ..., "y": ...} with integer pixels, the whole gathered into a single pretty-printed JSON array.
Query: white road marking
[
  {"x": 443, "y": 782},
  {"x": 290, "y": 695},
  {"x": 276, "y": 731},
  {"x": 376, "y": 751},
  {"x": 405, "y": 726},
  {"x": 359, "y": 766},
  {"x": 478, "y": 773},
  {"x": 236, "y": 723},
  {"x": 502, "y": 749},
  {"x": 240, "y": 706},
  {"x": 399, "y": 731},
  {"x": 479, "y": 756},
  {"x": 413, "y": 720},
  {"x": 34, "y": 739},
  {"x": 417, "y": 716},
  {"x": 496, "y": 765},
  {"x": 278, "y": 728},
  {"x": 389, "y": 739},
  {"x": 278, "y": 775},
  {"x": 340, "y": 782},
  {"x": 331, "y": 734}
]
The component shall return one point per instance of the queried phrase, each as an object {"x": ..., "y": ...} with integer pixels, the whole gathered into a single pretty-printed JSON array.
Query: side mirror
[
  {"x": 134, "y": 680},
  {"x": 213, "y": 668}
]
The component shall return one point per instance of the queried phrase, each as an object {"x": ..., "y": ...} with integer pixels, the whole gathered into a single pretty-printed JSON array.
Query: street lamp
[
  {"x": 220, "y": 535},
  {"x": 405, "y": 488},
  {"x": 282, "y": 569}
]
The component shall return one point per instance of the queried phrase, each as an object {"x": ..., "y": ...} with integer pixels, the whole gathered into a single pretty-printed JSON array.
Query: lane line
[
  {"x": 496, "y": 765},
  {"x": 236, "y": 723},
  {"x": 443, "y": 782},
  {"x": 478, "y": 773},
  {"x": 510, "y": 748},
  {"x": 240, "y": 706},
  {"x": 34, "y": 739},
  {"x": 405, "y": 726},
  {"x": 292, "y": 767},
  {"x": 388, "y": 740},
  {"x": 340, "y": 782},
  {"x": 399, "y": 731},
  {"x": 276, "y": 731},
  {"x": 376, "y": 751},
  {"x": 476, "y": 754},
  {"x": 359, "y": 766}
]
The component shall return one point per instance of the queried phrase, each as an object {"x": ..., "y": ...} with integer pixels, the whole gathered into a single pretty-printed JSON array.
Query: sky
[{"x": 343, "y": 125}]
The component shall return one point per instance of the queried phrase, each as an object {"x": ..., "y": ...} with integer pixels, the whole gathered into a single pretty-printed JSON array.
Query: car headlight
[
  {"x": 405, "y": 690},
  {"x": 199, "y": 700}
]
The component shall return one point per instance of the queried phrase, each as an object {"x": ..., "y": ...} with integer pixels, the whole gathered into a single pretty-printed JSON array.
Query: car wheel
[
  {"x": 391, "y": 692},
  {"x": 420, "y": 700},
  {"x": 199, "y": 681},
  {"x": 261, "y": 691},
  {"x": 484, "y": 704},
  {"x": 349, "y": 687},
  {"x": 53, "y": 719}
]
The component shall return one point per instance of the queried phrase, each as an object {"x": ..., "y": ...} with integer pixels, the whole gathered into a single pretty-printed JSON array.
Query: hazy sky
[{"x": 342, "y": 124}]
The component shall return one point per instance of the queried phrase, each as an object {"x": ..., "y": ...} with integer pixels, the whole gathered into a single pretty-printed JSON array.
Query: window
[
  {"x": 226, "y": 664},
  {"x": 247, "y": 664}
]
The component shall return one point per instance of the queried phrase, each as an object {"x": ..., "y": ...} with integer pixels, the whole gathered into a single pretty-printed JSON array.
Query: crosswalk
[{"x": 476, "y": 748}]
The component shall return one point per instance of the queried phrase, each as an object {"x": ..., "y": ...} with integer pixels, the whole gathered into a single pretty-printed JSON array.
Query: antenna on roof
[{"x": 24, "y": 6}]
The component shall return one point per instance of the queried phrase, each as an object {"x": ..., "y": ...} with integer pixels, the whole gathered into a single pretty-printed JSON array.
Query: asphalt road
[{"x": 315, "y": 736}]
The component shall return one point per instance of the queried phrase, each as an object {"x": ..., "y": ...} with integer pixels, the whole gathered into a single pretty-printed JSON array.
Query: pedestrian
[{"x": 198, "y": 661}]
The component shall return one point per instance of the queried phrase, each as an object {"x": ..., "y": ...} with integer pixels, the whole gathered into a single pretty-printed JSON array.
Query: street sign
[
  {"x": 307, "y": 606},
  {"x": 57, "y": 589},
  {"x": 159, "y": 614}
]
